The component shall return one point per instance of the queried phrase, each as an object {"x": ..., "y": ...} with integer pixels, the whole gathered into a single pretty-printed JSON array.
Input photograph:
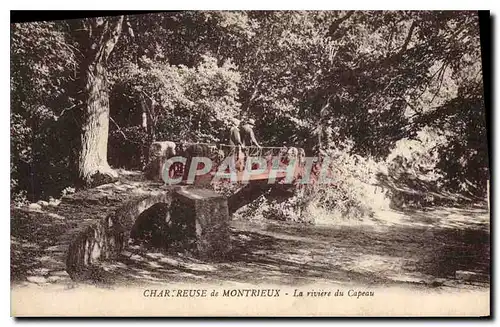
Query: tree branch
[
  {"x": 408, "y": 37},
  {"x": 121, "y": 132},
  {"x": 336, "y": 24},
  {"x": 441, "y": 78}
]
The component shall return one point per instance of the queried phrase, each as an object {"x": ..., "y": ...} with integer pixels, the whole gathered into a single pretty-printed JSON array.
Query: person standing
[
  {"x": 234, "y": 133},
  {"x": 235, "y": 142},
  {"x": 248, "y": 135}
]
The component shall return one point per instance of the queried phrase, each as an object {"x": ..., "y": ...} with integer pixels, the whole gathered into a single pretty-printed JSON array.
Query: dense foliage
[
  {"x": 43, "y": 66},
  {"x": 396, "y": 98}
]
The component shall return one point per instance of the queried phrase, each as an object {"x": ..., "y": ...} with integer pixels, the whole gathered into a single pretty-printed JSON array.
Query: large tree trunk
[
  {"x": 92, "y": 161},
  {"x": 101, "y": 35}
]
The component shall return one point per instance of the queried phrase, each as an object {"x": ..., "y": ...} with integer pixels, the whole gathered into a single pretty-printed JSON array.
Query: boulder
[
  {"x": 154, "y": 169},
  {"x": 34, "y": 207},
  {"x": 43, "y": 203},
  {"x": 159, "y": 152},
  {"x": 37, "y": 279},
  {"x": 162, "y": 149},
  {"x": 54, "y": 202}
]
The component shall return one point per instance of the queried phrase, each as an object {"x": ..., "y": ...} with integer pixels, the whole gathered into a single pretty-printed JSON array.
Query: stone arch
[
  {"x": 193, "y": 219},
  {"x": 106, "y": 238}
]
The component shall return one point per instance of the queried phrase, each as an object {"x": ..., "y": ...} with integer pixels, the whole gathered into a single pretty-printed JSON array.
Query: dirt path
[
  {"x": 291, "y": 254},
  {"x": 383, "y": 251},
  {"x": 418, "y": 249},
  {"x": 40, "y": 237}
]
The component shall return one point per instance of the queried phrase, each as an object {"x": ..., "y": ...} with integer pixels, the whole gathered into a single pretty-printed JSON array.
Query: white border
[{"x": 200, "y": 4}]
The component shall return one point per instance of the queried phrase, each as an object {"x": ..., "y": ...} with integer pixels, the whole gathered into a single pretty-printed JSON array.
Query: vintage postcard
[{"x": 250, "y": 163}]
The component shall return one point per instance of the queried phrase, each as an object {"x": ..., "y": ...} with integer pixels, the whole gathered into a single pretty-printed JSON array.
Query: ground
[{"x": 425, "y": 249}]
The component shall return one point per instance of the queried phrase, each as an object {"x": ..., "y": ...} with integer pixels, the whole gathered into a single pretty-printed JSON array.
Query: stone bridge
[
  {"x": 186, "y": 218},
  {"x": 250, "y": 187},
  {"x": 181, "y": 218}
]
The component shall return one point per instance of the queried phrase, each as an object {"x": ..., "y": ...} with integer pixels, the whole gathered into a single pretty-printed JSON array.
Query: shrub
[{"x": 353, "y": 192}]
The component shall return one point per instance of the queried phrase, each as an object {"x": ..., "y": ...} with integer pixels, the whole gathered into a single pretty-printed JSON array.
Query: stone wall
[
  {"x": 108, "y": 237},
  {"x": 200, "y": 222},
  {"x": 186, "y": 218}
]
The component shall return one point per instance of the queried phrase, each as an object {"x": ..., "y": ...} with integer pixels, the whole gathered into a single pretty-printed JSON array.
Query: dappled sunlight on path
[
  {"x": 418, "y": 248},
  {"x": 284, "y": 253}
]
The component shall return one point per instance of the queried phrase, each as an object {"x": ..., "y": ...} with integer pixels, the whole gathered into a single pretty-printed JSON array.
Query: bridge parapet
[{"x": 227, "y": 158}]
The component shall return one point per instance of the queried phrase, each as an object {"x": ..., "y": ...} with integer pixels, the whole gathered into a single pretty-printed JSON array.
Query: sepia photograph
[{"x": 318, "y": 163}]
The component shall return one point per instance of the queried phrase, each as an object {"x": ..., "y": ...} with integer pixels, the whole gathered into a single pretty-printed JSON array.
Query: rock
[
  {"x": 136, "y": 257},
  {"x": 43, "y": 203},
  {"x": 126, "y": 253},
  {"x": 244, "y": 237},
  {"x": 55, "y": 216},
  {"x": 159, "y": 153},
  {"x": 120, "y": 188},
  {"x": 162, "y": 149},
  {"x": 37, "y": 279},
  {"x": 471, "y": 276},
  {"x": 154, "y": 169},
  {"x": 34, "y": 206},
  {"x": 436, "y": 283},
  {"x": 40, "y": 271},
  {"x": 54, "y": 203},
  {"x": 154, "y": 264},
  {"x": 53, "y": 279},
  {"x": 67, "y": 198},
  {"x": 63, "y": 273},
  {"x": 140, "y": 191},
  {"x": 91, "y": 244}
]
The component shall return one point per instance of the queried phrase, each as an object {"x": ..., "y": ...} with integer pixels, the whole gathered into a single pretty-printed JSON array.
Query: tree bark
[
  {"x": 101, "y": 37},
  {"x": 92, "y": 160},
  {"x": 408, "y": 37}
]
